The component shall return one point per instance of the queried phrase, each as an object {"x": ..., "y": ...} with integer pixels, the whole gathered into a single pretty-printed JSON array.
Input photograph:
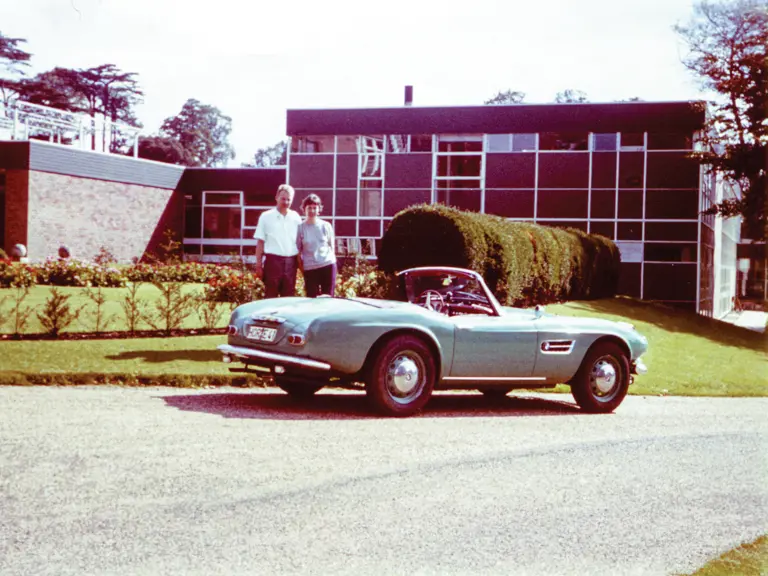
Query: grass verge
[
  {"x": 689, "y": 355},
  {"x": 749, "y": 559}
]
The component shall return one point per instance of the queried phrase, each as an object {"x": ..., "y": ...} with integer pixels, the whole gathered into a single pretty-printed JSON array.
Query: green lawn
[
  {"x": 689, "y": 355},
  {"x": 747, "y": 560},
  {"x": 147, "y": 294}
]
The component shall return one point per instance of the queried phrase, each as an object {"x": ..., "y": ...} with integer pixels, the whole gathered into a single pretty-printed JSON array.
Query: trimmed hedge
[{"x": 523, "y": 264}]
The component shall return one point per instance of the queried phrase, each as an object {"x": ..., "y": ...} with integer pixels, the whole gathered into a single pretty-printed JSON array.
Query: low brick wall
[{"x": 85, "y": 214}]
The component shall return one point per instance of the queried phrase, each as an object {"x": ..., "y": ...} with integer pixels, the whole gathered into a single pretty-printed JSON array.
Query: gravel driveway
[{"x": 107, "y": 480}]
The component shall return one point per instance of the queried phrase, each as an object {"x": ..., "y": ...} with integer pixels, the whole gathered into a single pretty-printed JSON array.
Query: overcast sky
[{"x": 254, "y": 59}]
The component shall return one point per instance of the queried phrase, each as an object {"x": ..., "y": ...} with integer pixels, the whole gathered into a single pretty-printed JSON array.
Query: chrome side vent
[{"x": 557, "y": 346}]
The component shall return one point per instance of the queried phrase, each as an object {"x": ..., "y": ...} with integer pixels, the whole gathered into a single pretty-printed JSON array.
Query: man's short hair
[{"x": 285, "y": 188}]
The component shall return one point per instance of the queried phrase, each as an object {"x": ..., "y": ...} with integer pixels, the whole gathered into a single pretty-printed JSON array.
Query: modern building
[{"x": 623, "y": 170}]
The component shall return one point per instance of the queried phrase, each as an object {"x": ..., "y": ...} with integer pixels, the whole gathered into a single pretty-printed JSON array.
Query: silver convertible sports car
[{"x": 448, "y": 331}]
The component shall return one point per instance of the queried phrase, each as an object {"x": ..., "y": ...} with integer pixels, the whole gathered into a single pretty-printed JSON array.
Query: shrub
[
  {"x": 16, "y": 274},
  {"x": 57, "y": 314},
  {"x": 172, "y": 308},
  {"x": 522, "y": 263},
  {"x": 358, "y": 277},
  {"x": 234, "y": 286}
]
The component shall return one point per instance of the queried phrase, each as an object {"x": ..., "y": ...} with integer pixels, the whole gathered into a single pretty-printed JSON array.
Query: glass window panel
[
  {"x": 370, "y": 228},
  {"x": 562, "y": 204},
  {"x": 630, "y": 231},
  {"x": 669, "y": 141},
  {"x": 192, "y": 249},
  {"x": 669, "y": 282},
  {"x": 453, "y": 184},
  {"x": 421, "y": 143},
  {"x": 370, "y": 202},
  {"x": 460, "y": 146},
  {"x": 371, "y": 165},
  {"x": 672, "y": 231},
  {"x": 524, "y": 142},
  {"x": 603, "y": 228},
  {"x": 346, "y": 144},
  {"x": 252, "y": 215},
  {"x": 346, "y": 202},
  {"x": 604, "y": 142},
  {"x": 461, "y": 198},
  {"x": 670, "y": 252},
  {"x": 678, "y": 204},
  {"x": 222, "y": 198},
  {"x": 192, "y": 220},
  {"x": 499, "y": 142},
  {"x": 672, "y": 170},
  {"x": 563, "y": 141},
  {"x": 509, "y": 203},
  {"x": 397, "y": 143},
  {"x": 345, "y": 227},
  {"x": 630, "y": 203},
  {"x": 221, "y": 222},
  {"x": 632, "y": 140},
  {"x": 312, "y": 144},
  {"x": 631, "y": 169},
  {"x": 396, "y": 200},
  {"x": 630, "y": 274},
  {"x": 603, "y": 204},
  {"x": 466, "y": 166}
]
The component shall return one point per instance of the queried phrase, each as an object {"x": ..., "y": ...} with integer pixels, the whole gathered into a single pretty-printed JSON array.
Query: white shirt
[{"x": 278, "y": 232}]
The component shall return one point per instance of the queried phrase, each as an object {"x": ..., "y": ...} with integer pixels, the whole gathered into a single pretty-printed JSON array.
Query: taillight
[
  {"x": 296, "y": 339},
  {"x": 231, "y": 330}
]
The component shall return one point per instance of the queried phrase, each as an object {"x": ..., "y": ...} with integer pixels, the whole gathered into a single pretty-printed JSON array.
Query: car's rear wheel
[
  {"x": 602, "y": 381},
  {"x": 401, "y": 376},
  {"x": 297, "y": 388},
  {"x": 494, "y": 393}
]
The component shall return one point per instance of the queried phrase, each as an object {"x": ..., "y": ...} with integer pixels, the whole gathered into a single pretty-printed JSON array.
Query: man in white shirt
[{"x": 276, "y": 245}]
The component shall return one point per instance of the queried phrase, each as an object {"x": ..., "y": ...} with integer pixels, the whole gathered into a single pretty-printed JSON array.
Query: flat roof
[{"x": 686, "y": 116}]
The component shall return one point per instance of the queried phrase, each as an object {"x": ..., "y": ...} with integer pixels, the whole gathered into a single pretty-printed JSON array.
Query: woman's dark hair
[{"x": 310, "y": 200}]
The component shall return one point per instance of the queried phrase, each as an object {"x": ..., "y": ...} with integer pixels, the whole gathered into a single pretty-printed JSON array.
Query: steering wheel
[{"x": 433, "y": 300}]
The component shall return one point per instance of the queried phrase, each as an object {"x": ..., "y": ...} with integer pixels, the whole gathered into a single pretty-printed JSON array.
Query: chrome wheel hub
[
  {"x": 603, "y": 377},
  {"x": 403, "y": 376}
]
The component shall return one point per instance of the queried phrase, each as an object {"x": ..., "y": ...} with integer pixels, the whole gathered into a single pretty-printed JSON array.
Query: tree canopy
[
  {"x": 203, "y": 133},
  {"x": 270, "y": 156},
  {"x": 727, "y": 43},
  {"x": 13, "y": 60},
  {"x": 507, "y": 97},
  {"x": 571, "y": 96}
]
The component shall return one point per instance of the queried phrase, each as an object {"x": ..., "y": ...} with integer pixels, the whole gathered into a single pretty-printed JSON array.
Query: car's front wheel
[
  {"x": 299, "y": 389},
  {"x": 602, "y": 380},
  {"x": 401, "y": 376}
]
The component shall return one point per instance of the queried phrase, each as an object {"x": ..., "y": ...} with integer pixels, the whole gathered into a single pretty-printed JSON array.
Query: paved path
[{"x": 158, "y": 481}]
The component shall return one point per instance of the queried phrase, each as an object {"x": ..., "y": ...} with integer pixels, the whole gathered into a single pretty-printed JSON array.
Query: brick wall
[
  {"x": 16, "y": 213},
  {"x": 85, "y": 214}
]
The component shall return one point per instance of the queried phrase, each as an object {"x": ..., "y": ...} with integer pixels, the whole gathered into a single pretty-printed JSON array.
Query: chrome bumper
[
  {"x": 639, "y": 367},
  {"x": 271, "y": 358}
]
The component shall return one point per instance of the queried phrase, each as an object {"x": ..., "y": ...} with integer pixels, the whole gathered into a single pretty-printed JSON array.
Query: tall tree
[
  {"x": 507, "y": 97},
  {"x": 270, "y": 156},
  {"x": 203, "y": 132},
  {"x": 162, "y": 149},
  {"x": 571, "y": 96},
  {"x": 727, "y": 42},
  {"x": 13, "y": 61}
]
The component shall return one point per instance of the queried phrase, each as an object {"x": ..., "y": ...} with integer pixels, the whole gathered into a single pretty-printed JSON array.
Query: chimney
[{"x": 408, "y": 95}]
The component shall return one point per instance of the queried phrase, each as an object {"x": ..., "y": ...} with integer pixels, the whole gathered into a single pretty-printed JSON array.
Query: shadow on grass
[
  {"x": 160, "y": 356},
  {"x": 676, "y": 320},
  {"x": 354, "y": 405}
]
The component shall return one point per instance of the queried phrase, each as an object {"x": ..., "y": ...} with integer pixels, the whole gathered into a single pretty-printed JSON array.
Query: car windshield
[{"x": 451, "y": 287}]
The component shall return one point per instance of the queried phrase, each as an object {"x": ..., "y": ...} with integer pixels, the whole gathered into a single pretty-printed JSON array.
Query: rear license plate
[{"x": 261, "y": 333}]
